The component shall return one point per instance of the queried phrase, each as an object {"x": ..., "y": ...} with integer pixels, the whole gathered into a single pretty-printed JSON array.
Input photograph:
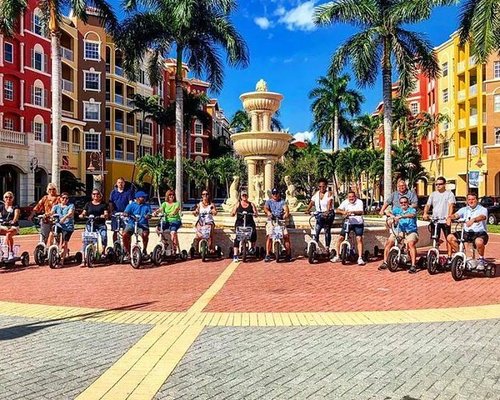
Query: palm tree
[
  {"x": 197, "y": 30},
  {"x": 241, "y": 122},
  {"x": 383, "y": 39},
  {"x": 156, "y": 168},
  {"x": 407, "y": 163},
  {"x": 12, "y": 10},
  {"x": 479, "y": 22},
  {"x": 365, "y": 129},
  {"x": 332, "y": 102}
]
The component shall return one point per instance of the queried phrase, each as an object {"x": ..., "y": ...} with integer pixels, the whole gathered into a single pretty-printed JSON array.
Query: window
[
  {"x": 414, "y": 108},
  {"x": 8, "y": 90},
  {"x": 8, "y": 123},
  {"x": 108, "y": 147},
  {"x": 92, "y": 51},
  {"x": 119, "y": 149},
  {"x": 444, "y": 68},
  {"x": 38, "y": 131},
  {"x": 38, "y": 98},
  {"x": 38, "y": 60},
  {"x": 37, "y": 26},
  {"x": 144, "y": 150},
  {"x": 445, "y": 95},
  {"x": 497, "y": 136},
  {"x": 198, "y": 146},
  {"x": 92, "y": 140},
  {"x": 496, "y": 103},
  {"x": 91, "y": 111},
  {"x": 496, "y": 69},
  {"x": 198, "y": 128},
  {"x": 8, "y": 52},
  {"x": 92, "y": 80},
  {"x": 130, "y": 150},
  {"x": 446, "y": 148}
]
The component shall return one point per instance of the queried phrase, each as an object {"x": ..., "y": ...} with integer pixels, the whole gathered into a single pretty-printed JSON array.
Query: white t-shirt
[
  {"x": 440, "y": 202},
  {"x": 346, "y": 205},
  {"x": 321, "y": 204}
]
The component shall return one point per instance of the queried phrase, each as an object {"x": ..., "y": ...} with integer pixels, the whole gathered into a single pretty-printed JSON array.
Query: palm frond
[
  {"x": 354, "y": 12},
  {"x": 10, "y": 12}
]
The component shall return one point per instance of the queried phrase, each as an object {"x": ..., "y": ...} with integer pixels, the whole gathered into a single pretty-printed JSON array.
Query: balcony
[
  {"x": 118, "y": 70},
  {"x": 12, "y": 137},
  {"x": 485, "y": 118},
  {"x": 67, "y": 85},
  {"x": 462, "y": 152},
  {"x": 118, "y": 126},
  {"x": 461, "y": 123},
  {"x": 461, "y": 67},
  {"x": 472, "y": 61},
  {"x": 473, "y": 120},
  {"x": 130, "y": 129},
  {"x": 130, "y": 103},
  {"x": 473, "y": 90},
  {"x": 65, "y": 147},
  {"x": 118, "y": 99},
  {"x": 76, "y": 148},
  {"x": 130, "y": 156},
  {"x": 66, "y": 53},
  {"x": 68, "y": 114},
  {"x": 461, "y": 95},
  {"x": 118, "y": 154}
]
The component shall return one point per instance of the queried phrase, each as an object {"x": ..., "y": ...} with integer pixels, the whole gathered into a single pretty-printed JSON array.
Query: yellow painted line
[{"x": 219, "y": 283}]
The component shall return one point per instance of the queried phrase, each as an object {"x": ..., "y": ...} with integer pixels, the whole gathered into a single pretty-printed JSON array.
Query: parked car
[
  {"x": 489, "y": 201},
  {"x": 421, "y": 202}
]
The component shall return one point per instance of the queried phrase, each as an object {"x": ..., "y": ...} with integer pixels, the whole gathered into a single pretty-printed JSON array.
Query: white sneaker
[
  {"x": 361, "y": 261},
  {"x": 11, "y": 255},
  {"x": 335, "y": 259}
]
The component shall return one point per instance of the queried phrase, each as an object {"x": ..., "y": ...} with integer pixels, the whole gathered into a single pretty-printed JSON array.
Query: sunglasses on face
[
  {"x": 64, "y": 198},
  {"x": 439, "y": 184},
  {"x": 95, "y": 194},
  {"x": 204, "y": 194},
  {"x": 8, "y": 197},
  {"x": 50, "y": 190},
  {"x": 403, "y": 202}
]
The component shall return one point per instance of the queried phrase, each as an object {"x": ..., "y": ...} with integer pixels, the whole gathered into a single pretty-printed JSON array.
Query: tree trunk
[
  {"x": 179, "y": 128},
  {"x": 336, "y": 132},
  {"x": 55, "y": 52},
  {"x": 387, "y": 101},
  {"x": 141, "y": 134}
]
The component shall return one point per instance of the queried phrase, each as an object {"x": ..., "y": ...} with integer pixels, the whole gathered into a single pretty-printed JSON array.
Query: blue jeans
[{"x": 103, "y": 232}]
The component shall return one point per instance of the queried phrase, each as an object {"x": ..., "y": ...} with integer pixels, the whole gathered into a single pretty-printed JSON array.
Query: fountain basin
[
  {"x": 261, "y": 144},
  {"x": 261, "y": 101}
]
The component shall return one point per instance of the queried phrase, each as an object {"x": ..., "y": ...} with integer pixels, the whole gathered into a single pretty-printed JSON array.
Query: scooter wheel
[
  {"x": 311, "y": 254},
  {"x": 376, "y": 251},
  {"x": 136, "y": 257},
  {"x": 491, "y": 271},
  {"x": 156, "y": 255},
  {"x": 230, "y": 252},
  {"x": 25, "y": 259},
  {"x": 89, "y": 257},
  {"x": 457, "y": 268},
  {"x": 78, "y": 258},
  {"x": 53, "y": 257},
  {"x": 343, "y": 255},
  {"x": 392, "y": 261},
  {"x": 184, "y": 255},
  {"x": 366, "y": 256},
  {"x": 192, "y": 252},
  {"x": 432, "y": 263},
  {"x": 39, "y": 255}
]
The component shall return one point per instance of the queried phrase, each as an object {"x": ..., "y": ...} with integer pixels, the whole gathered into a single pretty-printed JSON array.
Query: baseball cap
[
  {"x": 275, "y": 191},
  {"x": 243, "y": 192},
  {"x": 141, "y": 194}
]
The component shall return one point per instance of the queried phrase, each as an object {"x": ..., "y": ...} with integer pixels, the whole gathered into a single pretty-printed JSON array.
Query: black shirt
[
  {"x": 8, "y": 216},
  {"x": 240, "y": 218},
  {"x": 96, "y": 211}
]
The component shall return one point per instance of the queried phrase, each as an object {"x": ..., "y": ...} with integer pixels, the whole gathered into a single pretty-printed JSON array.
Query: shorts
[
  {"x": 117, "y": 223},
  {"x": 410, "y": 237},
  {"x": 470, "y": 237},
  {"x": 358, "y": 229},
  {"x": 140, "y": 229},
  {"x": 45, "y": 229},
  {"x": 66, "y": 235},
  {"x": 441, "y": 227},
  {"x": 269, "y": 229},
  {"x": 170, "y": 226},
  {"x": 11, "y": 228}
]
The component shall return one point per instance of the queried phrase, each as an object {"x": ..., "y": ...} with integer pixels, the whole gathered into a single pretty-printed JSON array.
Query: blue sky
[{"x": 290, "y": 53}]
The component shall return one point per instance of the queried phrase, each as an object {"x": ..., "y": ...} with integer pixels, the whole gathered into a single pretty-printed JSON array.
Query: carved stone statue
[
  {"x": 291, "y": 199},
  {"x": 261, "y": 86},
  {"x": 233, "y": 194},
  {"x": 258, "y": 184}
]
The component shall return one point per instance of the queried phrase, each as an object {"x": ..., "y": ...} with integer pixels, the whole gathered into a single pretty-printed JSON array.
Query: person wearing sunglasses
[
  {"x": 9, "y": 226},
  {"x": 322, "y": 201},
  {"x": 119, "y": 199},
  {"x": 141, "y": 210},
  {"x": 206, "y": 208},
  {"x": 442, "y": 202},
  {"x": 402, "y": 190},
  {"x": 244, "y": 206},
  {"x": 98, "y": 208},
  {"x": 171, "y": 210},
  {"x": 406, "y": 219},
  {"x": 45, "y": 206},
  {"x": 66, "y": 213}
]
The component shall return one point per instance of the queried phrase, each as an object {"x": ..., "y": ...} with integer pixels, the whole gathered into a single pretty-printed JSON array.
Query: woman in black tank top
[{"x": 242, "y": 206}]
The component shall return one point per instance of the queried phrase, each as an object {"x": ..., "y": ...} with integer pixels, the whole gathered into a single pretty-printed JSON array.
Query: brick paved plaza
[{"x": 221, "y": 330}]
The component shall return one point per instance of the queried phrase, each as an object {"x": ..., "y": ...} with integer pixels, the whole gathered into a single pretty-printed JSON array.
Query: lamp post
[{"x": 473, "y": 151}]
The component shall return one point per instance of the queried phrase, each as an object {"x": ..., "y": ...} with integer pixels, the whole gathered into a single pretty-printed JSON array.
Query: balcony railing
[
  {"x": 118, "y": 70},
  {"x": 66, "y": 53},
  {"x": 65, "y": 147},
  {"x": 485, "y": 118},
  {"x": 130, "y": 156},
  {"x": 76, "y": 148},
  {"x": 118, "y": 155},
  {"x": 66, "y": 113},
  {"x": 12, "y": 137},
  {"x": 118, "y": 99},
  {"x": 473, "y": 120},
  {"x": 462, "y": 152},
  {"x": 472, "y": 90},
  {"x": 461, "y": 123},
  {"x": 461, "y": 66},
  {"x": 118, "y": 126},
  {"x": 130, "y": 103},
  {"x": 130, "y": 129},
  {"x": 472, "y": 61},
  {"x": 67, "y": 85},
  {"x": 461, "y": 95}
]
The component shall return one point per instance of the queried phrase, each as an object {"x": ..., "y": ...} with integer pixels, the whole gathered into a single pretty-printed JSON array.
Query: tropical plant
[
  {"x": 406, "y": 163},
  {"x": 366, "y": 127},
  {"x": 424, "y": 123},
  {"x": 333, "y": 101},
  {"x": 227, "y": 167},
  {"x": 383, "y": 39},
  {"x": 302, "y": 165},
  {"x": 480, "y": 23},
  {"x": 157, "y": 169},
  {"x": 241, "y": 122},
  {"x": 196, "y": 30},
  {"x": 51, "y": 15}
]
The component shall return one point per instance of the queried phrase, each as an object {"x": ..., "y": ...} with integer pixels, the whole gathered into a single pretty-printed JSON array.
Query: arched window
[
  {"x": 36, "y": 22},
  {"x": 92, "y": 46},
  {"x": 38, "y": 94},
  {"x": 38, "y": 58},
  {"x": 39, "y": 128},
  {"x": 198, "y": 145}
]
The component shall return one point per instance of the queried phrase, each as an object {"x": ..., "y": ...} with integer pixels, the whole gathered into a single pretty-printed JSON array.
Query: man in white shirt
[
  {"x": 353, "y": 208},
  {"x": 475, "y": 216}
]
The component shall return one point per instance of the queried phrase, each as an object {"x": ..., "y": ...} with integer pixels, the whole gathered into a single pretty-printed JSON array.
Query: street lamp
[{"x": 473, "y": 151}]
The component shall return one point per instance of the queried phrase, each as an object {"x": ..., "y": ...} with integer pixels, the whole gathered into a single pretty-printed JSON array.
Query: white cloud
[
  {"x": 262, "y": 22},
  {"x": 303, "y": 136},
  {"x": 300, "y": 17},
  {"x": 288, "y": 60},
  {"x": 280, "y": 11}
]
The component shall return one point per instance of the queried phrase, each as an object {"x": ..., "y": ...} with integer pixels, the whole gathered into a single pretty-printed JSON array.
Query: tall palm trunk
[
  {"x": 336, "y": 131},
  {"x": 179, "y": 128},
  {"x": 55, "y": 55},
  {"x": 141, "y": 134},
  {"x": 335, "y": 187},
  {"x": 387, "y": 100}
]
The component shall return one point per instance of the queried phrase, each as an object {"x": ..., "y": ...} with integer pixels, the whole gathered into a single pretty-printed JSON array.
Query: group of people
[{"x": 125, "y": 203}]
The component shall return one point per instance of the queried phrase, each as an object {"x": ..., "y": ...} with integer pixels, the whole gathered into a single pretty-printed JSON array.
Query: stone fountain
[{"x": 261, "y": 148}]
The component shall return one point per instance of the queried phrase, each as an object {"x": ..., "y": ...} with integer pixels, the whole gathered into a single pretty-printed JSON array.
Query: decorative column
[
  {"x": 255, "y": 122},
  {"x": 266, "y": 126},
  {"x": 1, "y": 93},
  {"x": 251, "y": 164},
  {"x": 21, "y": 53},
  {"x": 21, "y": 104},
  {"x": 268, "y": 176}
]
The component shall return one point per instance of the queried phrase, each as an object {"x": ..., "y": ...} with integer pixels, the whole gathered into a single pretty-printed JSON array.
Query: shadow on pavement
[{"x": 17, "y": 331}]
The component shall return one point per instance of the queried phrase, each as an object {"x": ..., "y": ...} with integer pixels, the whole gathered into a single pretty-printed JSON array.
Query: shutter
[{"x": 33, "y": 58}]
